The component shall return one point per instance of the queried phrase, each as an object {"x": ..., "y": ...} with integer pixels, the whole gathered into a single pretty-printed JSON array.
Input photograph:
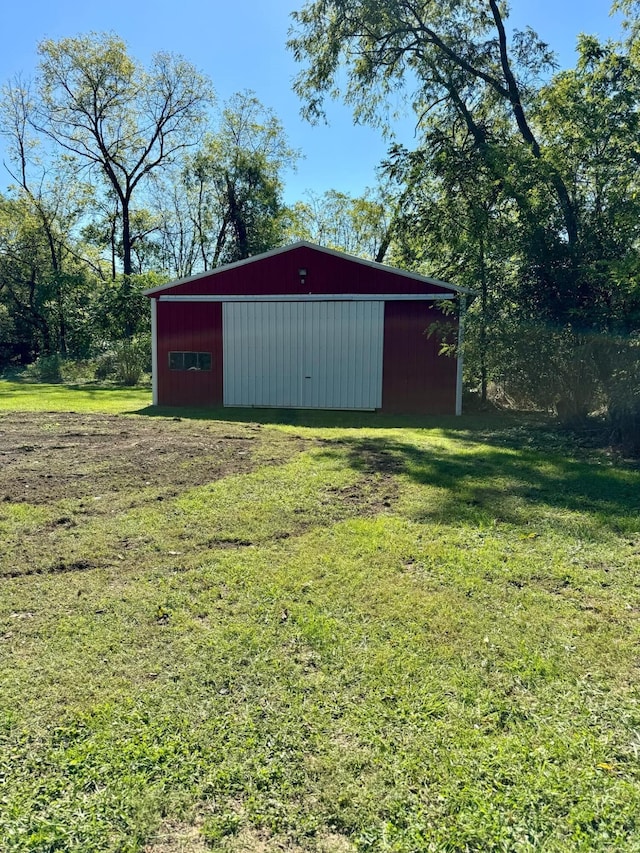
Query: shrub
[
  {"x": 77, "y": 370},
  {"x": 125, "y": 361},
  {"x": 132, "y": 359},
  {"x": 47, "y": 368},
  {"x": 623, "y": 394},
  {"x": 553, "y": 369},
  {"x": 105, "y": 366}
]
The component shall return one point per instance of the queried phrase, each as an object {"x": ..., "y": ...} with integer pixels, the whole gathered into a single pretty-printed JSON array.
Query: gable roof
[{"x": 313, "y": 246}]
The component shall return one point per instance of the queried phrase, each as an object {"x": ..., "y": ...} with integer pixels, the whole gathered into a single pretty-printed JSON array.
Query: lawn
[
  {"x": 288, "y": 631},
  {"x": 33, "y": 397}
]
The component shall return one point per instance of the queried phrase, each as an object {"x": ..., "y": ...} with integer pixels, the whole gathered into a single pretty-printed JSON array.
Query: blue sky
[{"x": 242, "y": 46}]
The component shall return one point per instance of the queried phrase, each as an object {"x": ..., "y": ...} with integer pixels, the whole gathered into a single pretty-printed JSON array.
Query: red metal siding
[
  {"x": 189, "y": 327},
  {"x": 325, "y": 274},
  {"x": 415, "y": 379}
]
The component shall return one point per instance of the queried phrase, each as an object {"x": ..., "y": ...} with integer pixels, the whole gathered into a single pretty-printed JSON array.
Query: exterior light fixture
[{"x": 302, "y": 272}]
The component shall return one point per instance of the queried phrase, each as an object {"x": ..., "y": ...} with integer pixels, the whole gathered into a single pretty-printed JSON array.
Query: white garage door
[{"x": 312, "y": 355}]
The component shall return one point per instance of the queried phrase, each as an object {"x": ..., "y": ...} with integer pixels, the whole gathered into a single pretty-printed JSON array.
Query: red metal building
[{"x": 303, "y": 327}]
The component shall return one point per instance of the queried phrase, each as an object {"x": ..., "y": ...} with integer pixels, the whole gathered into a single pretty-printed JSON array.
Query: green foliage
[
  {"x": 127, "y": 121},
  {"x": 232, "y": 189},
  {"x": 360, "y": 226},
  {"x": 589, "y": 115},
  {"x": 132, "y": 359},
  {"x": 9, "y": 338},
  {"x": 573, "y": 374},
  {"x": 534, "y": 208},
  {"x": 622, "y": 386},
  {"x": 58, "y": 294},
  {"x": 47, "y": 368},
  {"x": 557, "y": 369},
  {"x": 220, "y": 826},
  {"x": 45, "y": 294},
  {"x": 123, "y": 309},
  {"x": 105, "y": 367},
  {"x": 128, "y": 362}
]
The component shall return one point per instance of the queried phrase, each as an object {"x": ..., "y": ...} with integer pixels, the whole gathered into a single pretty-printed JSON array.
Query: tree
[
  {"x": 122, "y": 121},
  {"x": 453, "y": 224},
  {"x": 456, "y": 55},
  {"x": 532, "y": 187},
  {"x": 45, "y": 290},
  {"x": 361, "y": 226},
  {"x": 229, "y": 202},
  {"x": 45, "y": 274},
  {"x": 589, "y": 115},
  {"x": 176, "y": 235}
]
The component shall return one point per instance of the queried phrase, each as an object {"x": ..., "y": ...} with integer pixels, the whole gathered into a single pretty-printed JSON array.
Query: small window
[
  {"x": 189, "y": 361},
  {"x": 176, "y": 361}
]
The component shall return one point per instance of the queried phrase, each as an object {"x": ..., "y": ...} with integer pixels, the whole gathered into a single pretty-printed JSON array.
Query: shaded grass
[{"x": 400, "y": 639}]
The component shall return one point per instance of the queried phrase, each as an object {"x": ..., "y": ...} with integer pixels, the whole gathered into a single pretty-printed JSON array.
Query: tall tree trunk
[
  {"x": 126, "y": 239},
  {"x": 112, "y": 241},
  {"x": 237, "y": 222},
  {"x": 483, "y": 319},
  {"x": 62, "y": 325},
  {"x": 566, "y": 205},
  {"x": 127, "y": 270}
]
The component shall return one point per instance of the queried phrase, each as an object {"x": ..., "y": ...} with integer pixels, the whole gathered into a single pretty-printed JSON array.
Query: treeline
[
  {"x": 523, "y": 186},
  {"x": 123, "y": 176}
]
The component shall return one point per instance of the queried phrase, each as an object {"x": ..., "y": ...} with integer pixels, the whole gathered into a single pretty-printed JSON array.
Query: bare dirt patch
[
  {"x": 84, "y": 492},
  {"x": 177, "y": 837},
  {"x": 253, "y": 841},
  {"x": 49, "y": 456}
]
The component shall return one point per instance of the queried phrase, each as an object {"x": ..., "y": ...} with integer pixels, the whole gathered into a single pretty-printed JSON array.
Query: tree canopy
[
  {"x": 124, "y": 121},
  {"x": 119, "y": 172}
]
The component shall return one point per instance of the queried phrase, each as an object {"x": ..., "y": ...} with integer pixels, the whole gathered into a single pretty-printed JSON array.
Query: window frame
[{"x": 202, "y": 363}]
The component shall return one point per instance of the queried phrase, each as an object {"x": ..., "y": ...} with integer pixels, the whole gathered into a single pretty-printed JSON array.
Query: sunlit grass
[
  {"x": 388, "y": 639},
  {"x": 32, "y": 397}
]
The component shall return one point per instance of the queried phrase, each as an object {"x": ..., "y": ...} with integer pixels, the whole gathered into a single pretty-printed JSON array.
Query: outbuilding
[{"x": 308, "y": 327}]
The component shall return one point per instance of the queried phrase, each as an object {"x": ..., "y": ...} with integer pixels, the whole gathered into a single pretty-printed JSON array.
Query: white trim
[
  {"x": 154, "y": 352},
  {"x": 306, "y": 245},
  {"x": 460, "y": 359},
  {"x": 309, "y": 297}
]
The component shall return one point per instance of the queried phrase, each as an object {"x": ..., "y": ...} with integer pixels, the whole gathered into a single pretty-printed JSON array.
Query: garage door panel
[
  {"x": 260, "y": 360},
  {"x": 303, "y": 354}
]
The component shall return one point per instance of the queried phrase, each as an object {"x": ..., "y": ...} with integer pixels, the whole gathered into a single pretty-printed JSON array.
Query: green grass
[
  {"x": 33, "y": 397},
  {"x": 380, "y": 636}
]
